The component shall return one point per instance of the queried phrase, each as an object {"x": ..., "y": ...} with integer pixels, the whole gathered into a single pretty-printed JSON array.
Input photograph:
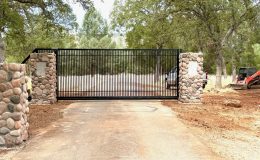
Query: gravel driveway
[{"x": 112, "y": 130}]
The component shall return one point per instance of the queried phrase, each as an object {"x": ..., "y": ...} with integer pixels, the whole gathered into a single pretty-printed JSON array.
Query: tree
[
  {"x": 95, "y": 34},
  {"x": 198, "y": 25},
  {"x": 146, "y": 23},
  {"x": 95, "y": 31},
  {"x": 256, "y": 48},
  {"x": 94, "y": 25},
  {"x": 104, "y": 42},
  {"x": 17, "y": 18},
  {"x": 147, "y": 26},
  {"x": 220, "y": 20},
  {"x": 38, "y": 35},
  {"x": 13, "y": 13}
]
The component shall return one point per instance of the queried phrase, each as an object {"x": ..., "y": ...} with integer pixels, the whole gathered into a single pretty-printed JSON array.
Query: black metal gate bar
[{"x": 115, "y": 73}]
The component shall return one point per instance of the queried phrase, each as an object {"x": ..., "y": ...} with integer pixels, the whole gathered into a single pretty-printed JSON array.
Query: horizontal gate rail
[{"x": 116, "y": 73}]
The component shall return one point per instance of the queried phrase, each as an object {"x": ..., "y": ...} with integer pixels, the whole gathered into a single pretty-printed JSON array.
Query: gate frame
[{"x": 56, "y": 50}]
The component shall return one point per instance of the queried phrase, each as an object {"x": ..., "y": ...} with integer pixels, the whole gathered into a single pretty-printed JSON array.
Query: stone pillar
[
  {"x": 43, "y": 74},
  {"x": 14, "y": 106},
  {"x": 191, "y": 77}
]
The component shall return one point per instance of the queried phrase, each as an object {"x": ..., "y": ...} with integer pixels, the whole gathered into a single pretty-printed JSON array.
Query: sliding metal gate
[{"x": 116, "y": 73}]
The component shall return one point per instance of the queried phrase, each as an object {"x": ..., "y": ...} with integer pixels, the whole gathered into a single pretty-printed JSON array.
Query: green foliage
[
  {"x": 25, "y": 25},
  {"x": 223, "y": 30},
  {"x": 256, "y": 48},
  {"x": 16, "y": 13},
  {"x": 94, "y": 25},
  {"x": 104, "y": 42},
  {"x": 36, "y": 35},
  {"x": 227, "y": 32},
  {"x": 145, "y": 23},
  {"x": 94, "y": 32}
]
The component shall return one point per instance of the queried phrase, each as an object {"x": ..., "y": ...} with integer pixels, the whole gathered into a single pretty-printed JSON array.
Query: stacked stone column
[
  {"x": 43, "y": 70},
  {"x": 14, "y": 106},
  {"x": 191, "y": 77}
]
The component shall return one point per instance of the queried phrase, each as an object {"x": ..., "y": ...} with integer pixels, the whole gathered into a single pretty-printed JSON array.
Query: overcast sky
[{"x": 104, "y": 8}]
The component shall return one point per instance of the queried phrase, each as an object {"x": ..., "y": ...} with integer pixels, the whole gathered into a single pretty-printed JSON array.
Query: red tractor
[{"x": 246, "y": 78}]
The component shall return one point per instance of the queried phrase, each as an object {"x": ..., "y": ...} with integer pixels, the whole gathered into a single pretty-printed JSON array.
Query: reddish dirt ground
[
  {"x": 225, "y": 128},
  {"x": 250, "y": 99},
  {"x": 2, "y": 152},
  {"x": 214, "y": 114},
  {"x": 42, "y": 116}
]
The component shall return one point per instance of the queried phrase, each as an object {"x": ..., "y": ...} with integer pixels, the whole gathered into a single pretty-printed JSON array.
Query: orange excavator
[{"x": 247, "y": 77}]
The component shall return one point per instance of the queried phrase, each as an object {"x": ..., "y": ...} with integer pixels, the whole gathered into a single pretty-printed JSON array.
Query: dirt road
[{"x": 116, "y": 130}]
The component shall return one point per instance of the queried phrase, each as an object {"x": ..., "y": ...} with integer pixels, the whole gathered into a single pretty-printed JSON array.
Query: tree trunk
[
  {"x": 234, "y": 68},
  {"x": 224, "y": 67},
  {"x": 158, "y": 67},
  {"x": 2, "y": 49},
  {"x": 219, "y": 69}
]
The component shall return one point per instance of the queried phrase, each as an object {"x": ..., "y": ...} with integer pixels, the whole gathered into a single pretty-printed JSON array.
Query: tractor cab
[
  {"x": 247, "y": 77},
  {"x": 245, "y": 72}
]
